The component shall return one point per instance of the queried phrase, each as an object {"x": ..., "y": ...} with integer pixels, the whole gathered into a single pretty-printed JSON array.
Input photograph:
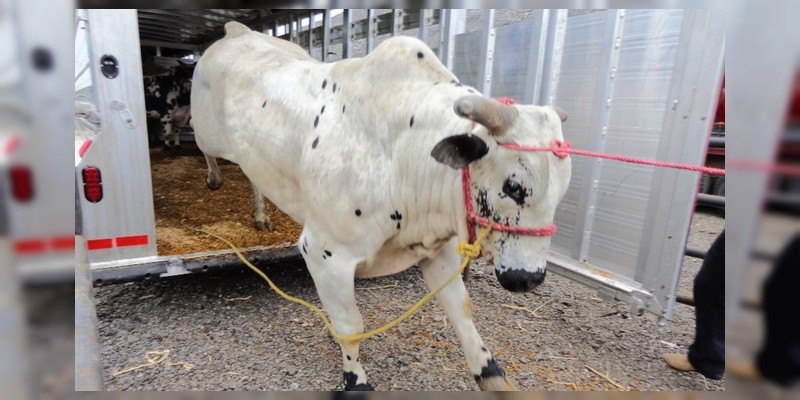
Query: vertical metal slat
[
  {"x": 370, "y": 30},
  {"x": 423, "y": 24},
  {"x": 326, "y": 35},
  {"x": 487, "y": 50},
  {"x": 347, "y": 44},
  {"x": 311, "y": 34}
]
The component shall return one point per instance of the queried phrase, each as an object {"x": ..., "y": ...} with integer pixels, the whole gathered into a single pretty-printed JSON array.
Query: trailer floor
[{"x": 183, "y": 203}]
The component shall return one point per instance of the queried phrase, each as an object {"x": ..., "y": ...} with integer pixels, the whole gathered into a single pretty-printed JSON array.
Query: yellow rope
[{"x": 469, "y": 251}]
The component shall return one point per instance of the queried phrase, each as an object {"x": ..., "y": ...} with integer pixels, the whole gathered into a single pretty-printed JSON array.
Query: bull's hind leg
[
  {"x": 214, "y": 178},
  {"x": 456, "y": 303},
  {"x": 260, "y": 215},
  {"x": 333, "y": 271},
  {"x": 176, "y": 136}
]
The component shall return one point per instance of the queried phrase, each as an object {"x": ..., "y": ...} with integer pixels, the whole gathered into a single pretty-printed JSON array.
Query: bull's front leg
[
  {"x": 333, "y": 271},
  {"x": 456, "y": 303}
]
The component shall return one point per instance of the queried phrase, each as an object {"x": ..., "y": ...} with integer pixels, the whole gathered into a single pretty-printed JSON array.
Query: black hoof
[
  {"x": 213, "y": 185},
  {"x": 348, "y": 396},
  {"x": 350, "y": 384},
  {"x": 361, "y": 387}
]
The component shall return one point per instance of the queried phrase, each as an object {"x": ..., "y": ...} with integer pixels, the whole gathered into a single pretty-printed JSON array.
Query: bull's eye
[{"x": 514, "y": 190}]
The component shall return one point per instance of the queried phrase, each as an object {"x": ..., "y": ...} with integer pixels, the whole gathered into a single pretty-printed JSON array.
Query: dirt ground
[
  {"x": 183, "y": 203},
  {"x": 226, "y": 330}
]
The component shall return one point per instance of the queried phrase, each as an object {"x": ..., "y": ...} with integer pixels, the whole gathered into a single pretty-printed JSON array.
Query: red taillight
[
  {"x": 21, "y": 183},
  {"x": 92, "y": 184}
]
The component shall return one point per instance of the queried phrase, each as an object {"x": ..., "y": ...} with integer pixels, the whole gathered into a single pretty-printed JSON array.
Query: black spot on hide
[
  {"x": 334, "y": 87},
  {"x": 316, "y": 121},
  {"x": 358, "y": 212},
  {"x": 324, "y": 83},
  {"x": 483, "y": 204},
  {"x": 420, "y": 55},
  {"x": 322, "y": 110},
  {"x": 410, "y": 124},
  {"x": 343, "y": 106},
  {"x": 264, "y": 105},
  {"x": 316, "y": 141}
]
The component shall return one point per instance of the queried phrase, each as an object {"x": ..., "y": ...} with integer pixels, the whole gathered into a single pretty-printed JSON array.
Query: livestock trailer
[{"x": 640, "y": 83}]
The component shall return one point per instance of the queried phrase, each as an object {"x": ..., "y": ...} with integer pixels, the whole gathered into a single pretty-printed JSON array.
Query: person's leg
[
  {"x": 779, "y": 358},
  {"x": 707, "y": 353}
]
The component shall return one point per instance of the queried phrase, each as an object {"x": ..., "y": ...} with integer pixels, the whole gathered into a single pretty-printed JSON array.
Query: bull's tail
[{"x": 234, "y": 29}]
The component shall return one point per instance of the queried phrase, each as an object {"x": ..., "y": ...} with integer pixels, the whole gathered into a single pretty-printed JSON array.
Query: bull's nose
[{"x": 519, "y": 280}]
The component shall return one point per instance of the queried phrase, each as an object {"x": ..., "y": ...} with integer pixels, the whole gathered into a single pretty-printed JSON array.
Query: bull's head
[{"x": 511, "y": 187}]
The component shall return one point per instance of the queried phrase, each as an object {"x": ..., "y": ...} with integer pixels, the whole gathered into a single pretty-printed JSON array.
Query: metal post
[
  {"x": 423, "y": 24},
  {"x": 710, "y": 200},
  {"x": 326, "y": 33},
  {"x": 275, "y": 28},
  {"x": 397, "y": 16},
  {"x": 541, "y": 85},
  {"x": 602, "y": 113},
  {"x": 88, "y": 365},
  {"x": 456, "y": 21},
  {"x": 292, "y": 29},
  {"x": 487, "y": 50},
  {"x": 121, "y": 151},
  {"x": 347, "y": 44},
  {"x": 370, "y": 30},
  {"x": 311, "y": 34},
  {"x": 700, "y": 53}
]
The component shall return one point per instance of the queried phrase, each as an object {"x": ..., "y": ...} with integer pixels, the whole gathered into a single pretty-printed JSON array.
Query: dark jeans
[
  {"x": 707, "y": 353},
  {"x": 779, "y": 357}
]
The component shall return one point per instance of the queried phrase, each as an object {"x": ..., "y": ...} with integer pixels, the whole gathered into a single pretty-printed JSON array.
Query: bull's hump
[
  {"x": 234, "y": 29},
  {"x": 403, "y": 57}
]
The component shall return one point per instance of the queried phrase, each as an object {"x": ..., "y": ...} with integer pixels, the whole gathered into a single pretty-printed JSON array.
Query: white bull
[{"x": 365, "y": 153}]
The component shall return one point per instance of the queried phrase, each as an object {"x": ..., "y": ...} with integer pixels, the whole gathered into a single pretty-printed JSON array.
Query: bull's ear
[
  {"x": 561, "y": 113},
  {"x": 459, "y": 150}
]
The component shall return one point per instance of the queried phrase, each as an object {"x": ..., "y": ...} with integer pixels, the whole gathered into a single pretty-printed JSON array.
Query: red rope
[
  {"x": 473, "y": 218},
  {"x": 468, "y": 203},
  {"x": 561, "y": 149},
  {"x": 496, "y": 226},
  {"x": 506, "y": 100}
]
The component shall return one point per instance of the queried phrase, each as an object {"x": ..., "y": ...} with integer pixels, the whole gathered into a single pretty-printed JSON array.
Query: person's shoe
[
  {"x": 679, "y": 362},
  {"x": 744, "y": 369}
]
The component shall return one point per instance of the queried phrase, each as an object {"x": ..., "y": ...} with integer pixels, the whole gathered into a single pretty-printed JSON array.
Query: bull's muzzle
[{"x": 520, "y": 280}]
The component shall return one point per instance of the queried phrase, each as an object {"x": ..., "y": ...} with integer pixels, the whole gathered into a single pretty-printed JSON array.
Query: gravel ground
[{"x": 226, "y": 330}]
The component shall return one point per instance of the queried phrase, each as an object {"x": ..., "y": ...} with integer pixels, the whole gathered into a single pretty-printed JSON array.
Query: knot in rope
[
  {"x": 506, "y": 100},
  {"x": 469, "y": 250},
  {"x": 560, "y": 148}
]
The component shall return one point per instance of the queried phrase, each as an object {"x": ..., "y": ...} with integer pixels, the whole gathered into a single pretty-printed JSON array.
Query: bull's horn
[{"x": 495, "y": 116}]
